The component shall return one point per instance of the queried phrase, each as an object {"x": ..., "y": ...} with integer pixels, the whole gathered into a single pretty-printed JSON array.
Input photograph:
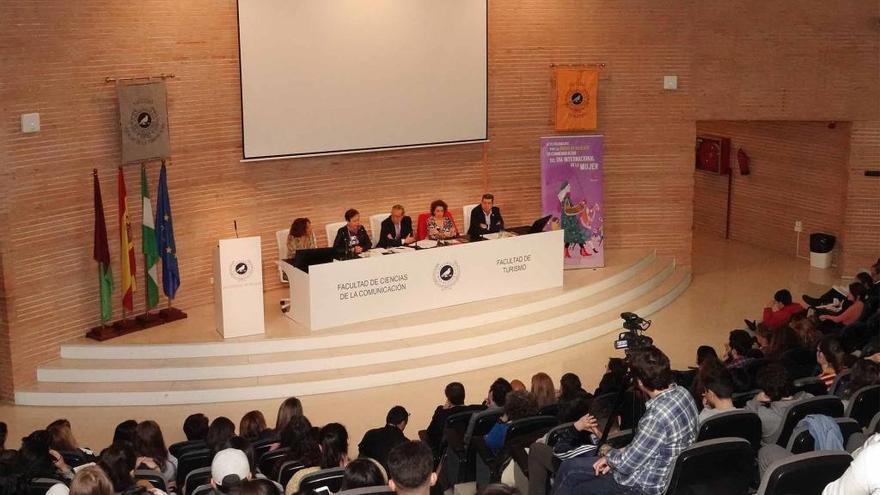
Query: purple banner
[{"x": 571, "y": 191}]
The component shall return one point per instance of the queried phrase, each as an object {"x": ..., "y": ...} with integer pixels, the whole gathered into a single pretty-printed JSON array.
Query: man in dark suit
[
  {"x": 379, "y": 441},
  {"x": 486, "y": 218},
  {"x": 396, "y": 229},
  {"x": 454, "y": 404}
]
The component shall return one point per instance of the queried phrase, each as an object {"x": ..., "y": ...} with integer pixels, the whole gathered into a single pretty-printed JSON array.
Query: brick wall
[
  {"x": 861, "y": 238},
  {"x": 798, "y": 172},
  {"x": 57, "y": 53}
]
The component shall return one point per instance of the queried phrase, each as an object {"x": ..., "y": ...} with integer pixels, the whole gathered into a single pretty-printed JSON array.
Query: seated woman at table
[
  {"x": 352, "y": 237},
  {"x": 301, "y": 236},
  {"x": 440, "y": 227}
]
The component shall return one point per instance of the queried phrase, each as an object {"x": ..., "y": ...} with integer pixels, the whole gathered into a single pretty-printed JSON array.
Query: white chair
[
  {"x": 281, "y": 239},
  {"x": 467, "y": 209},
  {"x": 331, "y": 229},
  {"x": 376, "y": 227}
]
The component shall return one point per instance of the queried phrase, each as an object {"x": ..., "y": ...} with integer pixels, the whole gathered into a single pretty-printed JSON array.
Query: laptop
[
  {"x": 537, "y": 226},
  {"x": 304, "y": 258}
]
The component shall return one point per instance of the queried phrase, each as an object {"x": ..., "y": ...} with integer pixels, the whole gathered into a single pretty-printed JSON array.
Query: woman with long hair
[
  {"x": 252, "y": 426},
  {"x": 303, "y": 448},
  {"x": 301, "y": 236},
  {"x": 119, "y": 461},
  {"x": 220, "y": 431},
  {"x": 149, "y": 446},
  {"x": 543, "y": 389},
  {"x": 334, "y": 446},
  {"x": 831, "y": 359},
  {"x": 288, "y": 409}
]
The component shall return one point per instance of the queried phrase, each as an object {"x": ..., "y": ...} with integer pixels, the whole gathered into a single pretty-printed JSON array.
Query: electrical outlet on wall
[{"x": 798, "y": 226}]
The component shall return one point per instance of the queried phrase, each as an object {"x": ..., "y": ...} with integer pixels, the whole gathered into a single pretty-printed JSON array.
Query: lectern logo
[
  {"x": 446, "y": 274},
  {"x": 578, "y": 99},
  {"x": 144, "y": 123},
  {"x": 241, "y": 269}
]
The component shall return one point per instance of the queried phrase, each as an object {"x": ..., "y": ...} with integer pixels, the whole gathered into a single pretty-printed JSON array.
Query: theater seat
[
  {"x": 270, "y": 462},
  {"x": 801, "y": 441},
  {"x": 190, "y": 461},
  {"x": 368, "y": 490},
  {"x": 827, "y": 405},
  {"x": 804, "y": 474},
  {"x": 520, "y": 434},
  {"x": 812, "y": 385},
  {"x": 721, "y": 466},
  {"x": 325, "y": 480},
  {"x": 154, "y": 477},
  {"x": 376, "y": 227},
  {"x": 287, "y": 470},
  {"x": 864, "y": 404},
  {"x": 736, "y": 424}
]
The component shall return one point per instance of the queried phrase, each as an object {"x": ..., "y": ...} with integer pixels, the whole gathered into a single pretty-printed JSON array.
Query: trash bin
[{"x": 821, "y": 246}]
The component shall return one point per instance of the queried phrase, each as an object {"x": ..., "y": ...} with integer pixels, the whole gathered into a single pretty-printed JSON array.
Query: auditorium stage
[{"x": 354, "y": 374}]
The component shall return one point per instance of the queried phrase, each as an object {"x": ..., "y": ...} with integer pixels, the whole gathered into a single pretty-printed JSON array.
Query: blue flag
[{"x": 165, "y": 238}]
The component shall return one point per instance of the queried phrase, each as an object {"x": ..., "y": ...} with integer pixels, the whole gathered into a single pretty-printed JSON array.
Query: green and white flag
[{"x": 151, "y": 253}]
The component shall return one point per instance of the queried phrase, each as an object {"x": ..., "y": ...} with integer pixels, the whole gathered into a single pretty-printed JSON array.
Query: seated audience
[
  {"x": 543, "y": 390},
  {"x": 485, "y": 218},
  {"x": 494, "y": 403},
  {"x": 740, "y": 350},
  {"x": 220, "y": 431},
  {"x": 517, "y": 405},
  {"x": 782, "y": 340},
  {"x": 806, "y": 329},
  {"x": 244, "y": 445},
  {"x": 570, "y": 387},
  {"x": 411, "y": 469},
  {"x": 454, "y": 403},
  {"x": 125, "y": 432},
  {"x": 301, "y": 236},
  {"x": 91, "y": 480},
  {"x": 352, "y": 238},
  {"x": 614, "y": 379},
  {"x": 863, "y": 373},
  {"x": 379, "y": 441},
  {"x": 705, "y": 352},
  {"x": 396, "y": 230},
  {"x": 361, "y": 473},
  {"x": 774, "y": 400},
  {"x": 257, "y": 487},
  {"x": 195, "y": 427},
  {"x": 778, "y": 311},
  {"x": 302, "y": 445},
  {"x": 573, "y": 407},
  {"x": 61, "y": 439},
  {"x": 37, "y": 460},
  {"x": 707, "y": 364},
  {"x": 668, "y": 426},
  {"x": 440, "y": 226},
  {"x": 119, "y": 462},
  {"x": 333, "y": 453},
  {"x": 229, "y": 469},
  {"x": 862, "y": 477},
  {"x": 290, "y": 408},
  {"x": 517, "y": 385},
  {"x": 850, "y": 315},
  {"x": 831, "y": 359},
  {"x": 253, "y": 426},
  {"x": 717, "y": 395},
  {"x": 149, "y": 446}
]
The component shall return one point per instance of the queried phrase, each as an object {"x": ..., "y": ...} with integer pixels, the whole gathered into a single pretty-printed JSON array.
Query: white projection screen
[{"x": 337, "y": 76}]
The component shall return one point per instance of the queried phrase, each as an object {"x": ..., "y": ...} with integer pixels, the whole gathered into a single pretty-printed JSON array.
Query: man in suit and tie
[
  {"x": 486, "y": 218},
  {"x": 396, "y": 229}
]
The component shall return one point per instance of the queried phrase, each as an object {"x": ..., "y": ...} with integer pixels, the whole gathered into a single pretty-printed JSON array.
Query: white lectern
[{"x": 238, "y": 287}]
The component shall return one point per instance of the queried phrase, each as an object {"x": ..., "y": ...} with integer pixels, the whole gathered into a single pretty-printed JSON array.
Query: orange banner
[{"x": 576, "y": 91}]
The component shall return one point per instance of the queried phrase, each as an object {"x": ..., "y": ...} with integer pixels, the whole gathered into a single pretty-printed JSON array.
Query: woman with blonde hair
[{"x": 543, "y": 389}]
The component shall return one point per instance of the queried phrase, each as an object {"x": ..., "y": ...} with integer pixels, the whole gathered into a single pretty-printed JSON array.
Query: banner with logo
[
  {"x": 576, "y": 92},
  {"x": 143, "y": 119},
  {"x": 571, "y": 192}
]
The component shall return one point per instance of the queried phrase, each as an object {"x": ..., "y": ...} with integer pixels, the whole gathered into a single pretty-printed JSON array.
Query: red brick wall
[
  {"x": 861, "y": 238},
  {"x": 798, "y": 172}
]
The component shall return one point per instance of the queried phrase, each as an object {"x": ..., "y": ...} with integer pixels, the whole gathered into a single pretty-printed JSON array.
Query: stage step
[{"x": 192, "y": 375}]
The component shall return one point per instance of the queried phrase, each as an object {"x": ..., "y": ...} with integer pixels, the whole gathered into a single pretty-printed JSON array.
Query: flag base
[
  {"x": 171, "y": 314},
  {"x": 126, "y": 325},
  {"x": 102, "y": 333},
  {"x": 148, "y": 320}
]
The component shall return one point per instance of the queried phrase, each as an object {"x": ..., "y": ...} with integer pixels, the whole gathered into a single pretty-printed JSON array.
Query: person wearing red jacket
[{"x": 780, "y": 310}]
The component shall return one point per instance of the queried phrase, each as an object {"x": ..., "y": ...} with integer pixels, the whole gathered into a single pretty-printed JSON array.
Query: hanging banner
[
  {"x": 143, "y": 118},
  {"x": 576, "y": 92},
  {"x": 571, "y": 192}
]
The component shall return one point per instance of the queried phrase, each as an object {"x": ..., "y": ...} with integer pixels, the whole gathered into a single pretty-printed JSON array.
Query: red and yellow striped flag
[{"x": 126, "y": 248}]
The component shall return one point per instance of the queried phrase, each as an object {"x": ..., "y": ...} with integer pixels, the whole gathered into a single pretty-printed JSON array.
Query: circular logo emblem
[
  {"x": 144, "y": 120},
  {"x": 578, "y": 99},
  {"x": 241, "y": 269},
  {"x": 446, "y": 274},
  {"x": 144, "y": 123}
]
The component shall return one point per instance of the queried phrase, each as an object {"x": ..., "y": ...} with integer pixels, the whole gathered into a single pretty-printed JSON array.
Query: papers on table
[{"x": 426, "y": 243}]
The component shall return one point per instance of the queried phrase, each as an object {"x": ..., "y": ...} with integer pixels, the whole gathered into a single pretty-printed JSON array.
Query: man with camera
[{"x": 668, "y": 426}]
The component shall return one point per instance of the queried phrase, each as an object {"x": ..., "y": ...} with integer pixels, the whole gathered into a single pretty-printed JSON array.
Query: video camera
[{"x": 633, "y": 337}]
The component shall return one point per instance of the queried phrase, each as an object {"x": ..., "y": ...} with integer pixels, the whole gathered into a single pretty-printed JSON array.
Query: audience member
[
  {"x": 119, "y": 461},
  {"x": 229, "y": 469},
  {"x": 543, "y": 390},
  {"x": 774, "y": 400},
  {"x": 290, "y": 408},
  {"x": 149, "y": 446},
  {"x": 91, "y": 480},
  {"x": 302, "y": 446},
  {"x": 850, "y": 315},
  {"x": 517, "y": 385},
  {"x": 37, "y": 460},
  {"x": 334, "y": 446},
  {"x": 243, "y": 444},
  {"x": 668, "y": 426},
  {"x": 779, "y": 310},
  {"x": 257, "y": 487},
  {"x": 740, "y": 350},
  {"x": 253, "y": 426},
  {"x": 614, "y": 379},
  {"x": 411, "y": 469},
  {"x": 806, "y": 330},
  {"x": 705, "y": 352},
  {"x": 518, "y": 404},
  {"x": 378, "y": 442},
  {"x": 125, "y": 432},
  {"x": 454, "y": 403},
  {"x": 717, "y": 395},
  {"x": 783, "y": 339},
  {"x": 572, "y": 408},
  {"x": 863, "y": 373},
  {"x": 220, "y": 431},
  {"x": 61, "y": 439},
  {"x": 570, "y": 387},
  {"x": 331, "y": 449},
  {"x": 361, "y": 473},
  {"x": 195, "y": 427},
  {"x": 862, "y": 476},
  {"x": 830, "y": 356}
]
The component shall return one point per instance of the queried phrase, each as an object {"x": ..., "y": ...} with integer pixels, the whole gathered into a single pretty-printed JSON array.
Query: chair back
[
  {"x": 812, "y": 385},
  {"x": 325, "y": 480},
  {"x": 827, "y": 405},
  {"x": 263, "y": 445},
  {"x": 331, "y": 229},
  {"x": 287, "y": 470},
  {"x": 740, "y": 398},
  {"x": 549, "y": 410},
  {"x": 367, "y": 490},
  {"x": 74, "y": 458},
  {"x": 203, "y": 490},
  {"x": 522, "y": 432},
  {"x": 484, "y": 423},
  {"x": 804, "y": 474},
  {"x": 466, "y": 215},
  {"x": 191, "y": 461},
  {"x": 459, "y": 421},
  {"x": 376, "y": 227},
  {"x": 733, "y": 424},
  {"x": 269, "y": 462},
  {"x": 422, "y": 226},
  {"x": 154, "y": 477},
  {"x": 840, "y": 382},
  {"x": 39, "y": 486},
  {"x": 555, "y": 432},
  {"x": 874, "y": 426},
  {"x": 721, "y": 466},
  {"x": 802, "y": 441},
  {"x": 281, "y": 241},
  {"x": 180, "y": 448},
  {"x": 196, "y": 478},
  {"x": 864, "y": 404}
]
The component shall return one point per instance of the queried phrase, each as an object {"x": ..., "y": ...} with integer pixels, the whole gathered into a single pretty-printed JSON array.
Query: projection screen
[{"x": 337, "y": 76}]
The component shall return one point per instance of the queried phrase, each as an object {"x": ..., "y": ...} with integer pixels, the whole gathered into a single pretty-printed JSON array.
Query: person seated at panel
[
  {"x": 486, "y": 218},
  {"x": 440, "y": 227},
  {"x": 778, "y": 312},
  {"x": 396, "y": 229},
  {"x": 352, "y": 237},
  {"x": 301, "y": 236}
]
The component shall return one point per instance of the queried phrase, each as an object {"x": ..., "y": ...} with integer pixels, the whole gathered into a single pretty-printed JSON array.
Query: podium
[{"x": 238, "y": 287}]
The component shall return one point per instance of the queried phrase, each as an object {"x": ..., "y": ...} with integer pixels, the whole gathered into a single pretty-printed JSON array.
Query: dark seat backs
[
  {"x": 192, "y": 460},
  {"x": 325, "y": 480},
  {"x": 864, "y": 404},
  {"x": 721, "y": 466},
  {"x": 827, "y": 405},
  {"x": 735, "y": 424},
  {"x": 802, "y": 441},
  {"x": 287, "y": 470},
  {"x": 804, "y": 474}
]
